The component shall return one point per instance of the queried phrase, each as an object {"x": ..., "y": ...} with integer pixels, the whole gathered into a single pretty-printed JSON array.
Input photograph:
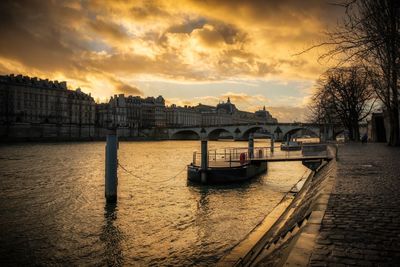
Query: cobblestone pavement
[{"x": 361, "y": 225}]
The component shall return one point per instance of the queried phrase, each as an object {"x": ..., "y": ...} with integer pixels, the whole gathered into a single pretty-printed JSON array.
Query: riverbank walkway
[{"x": 360, "y": 224}]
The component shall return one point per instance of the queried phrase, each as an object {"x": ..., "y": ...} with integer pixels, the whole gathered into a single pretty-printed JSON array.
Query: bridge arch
[
  {"x": 215, "y": 134},
  {"x": 308, "y": 131},
  {"x": 250, "y": 130},
  {"x": 185, "y": 135}
]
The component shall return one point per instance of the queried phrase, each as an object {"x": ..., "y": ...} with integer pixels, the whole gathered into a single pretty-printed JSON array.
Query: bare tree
[
  {"x": 321, "y": 110},
  {"x": 370, "y": 35},
  {"x": 344, "y": 95}
]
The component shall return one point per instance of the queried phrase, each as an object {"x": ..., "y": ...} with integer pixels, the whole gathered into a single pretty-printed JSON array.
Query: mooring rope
[{"x": 157, "y": 181}]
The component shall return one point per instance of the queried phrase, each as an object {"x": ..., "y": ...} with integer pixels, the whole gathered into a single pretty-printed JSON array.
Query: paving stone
[
  {"x": 348, "y": 261},
  {"x": 361, "y": 225},
  {"x": 364, "y": 263}
]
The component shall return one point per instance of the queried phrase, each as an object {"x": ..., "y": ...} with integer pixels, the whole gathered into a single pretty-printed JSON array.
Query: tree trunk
[
  {"x": 394, "y": 138},
  {"x": 356, "y": 132},
  {"x": 351, "y": 133}
]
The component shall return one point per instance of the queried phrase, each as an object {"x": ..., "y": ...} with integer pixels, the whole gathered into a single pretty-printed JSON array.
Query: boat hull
[{"x": 226, "y": 175}]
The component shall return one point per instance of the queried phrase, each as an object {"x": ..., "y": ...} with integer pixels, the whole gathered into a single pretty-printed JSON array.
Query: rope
[{"x": 158, "y": 181}]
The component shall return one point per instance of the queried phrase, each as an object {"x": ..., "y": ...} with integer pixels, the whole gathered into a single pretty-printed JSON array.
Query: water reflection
[
  {"x": 111, "y": 236},
  {"x": 203, "y": 204},
  {"x": 55, "y": 214}
]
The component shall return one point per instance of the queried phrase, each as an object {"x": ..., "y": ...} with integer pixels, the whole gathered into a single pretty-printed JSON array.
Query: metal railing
[{"x": 238, "y": 156}]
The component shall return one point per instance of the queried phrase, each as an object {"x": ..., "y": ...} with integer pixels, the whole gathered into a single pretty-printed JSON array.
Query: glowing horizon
[{"x": 192, "y": 52}]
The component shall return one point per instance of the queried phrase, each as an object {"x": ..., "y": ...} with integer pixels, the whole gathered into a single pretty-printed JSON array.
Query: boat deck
[{"x": 231, "y": 157}]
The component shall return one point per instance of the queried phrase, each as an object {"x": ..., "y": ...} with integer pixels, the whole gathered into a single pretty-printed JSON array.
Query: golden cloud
[{"x": 116, "y": 41}]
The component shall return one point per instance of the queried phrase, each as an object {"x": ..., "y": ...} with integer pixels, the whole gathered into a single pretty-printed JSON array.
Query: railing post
[
  {"x": 111, "y": 168},
  {"x": 272, "y": 145},
  {"x": 251, "y": 146},
  {"x": 194, "y": 158}
]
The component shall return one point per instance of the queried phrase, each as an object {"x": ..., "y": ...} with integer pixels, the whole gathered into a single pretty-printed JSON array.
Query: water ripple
[{"x": 53, "y": 210}]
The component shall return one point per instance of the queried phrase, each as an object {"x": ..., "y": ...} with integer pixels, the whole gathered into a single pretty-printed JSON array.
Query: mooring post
[
  {"x": 111, "y": 178},
  {"x": 272, "y": 144},
  {"x": 251, "y": 146},
  {"x": 204, "y": 155},
  {"x": 204, "y": 160}
]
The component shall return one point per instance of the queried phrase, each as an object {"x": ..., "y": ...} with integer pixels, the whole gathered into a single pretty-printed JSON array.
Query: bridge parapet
[{"x": 241, "y": 131}]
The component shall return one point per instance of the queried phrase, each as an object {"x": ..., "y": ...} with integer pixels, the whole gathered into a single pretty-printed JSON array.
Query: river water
[{"x": 53, "y": 210}]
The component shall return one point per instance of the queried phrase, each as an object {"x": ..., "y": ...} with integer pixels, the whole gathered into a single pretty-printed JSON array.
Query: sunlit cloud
[{"x": 108, "y": 47}]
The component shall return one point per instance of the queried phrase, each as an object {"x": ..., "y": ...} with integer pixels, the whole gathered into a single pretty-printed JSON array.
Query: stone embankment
[
  {"x": 348, "y": 213},
  {"x": 295, "y": 220}
]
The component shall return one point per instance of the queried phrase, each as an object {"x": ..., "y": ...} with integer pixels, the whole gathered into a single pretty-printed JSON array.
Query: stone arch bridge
[{"x": 241, "y": 132}]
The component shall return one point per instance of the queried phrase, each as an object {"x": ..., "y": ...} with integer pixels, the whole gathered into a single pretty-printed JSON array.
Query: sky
[{"x": 188, "y": 51}]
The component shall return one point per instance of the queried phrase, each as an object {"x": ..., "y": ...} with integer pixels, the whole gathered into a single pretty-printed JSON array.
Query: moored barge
[{"x": 228, "y": 174}]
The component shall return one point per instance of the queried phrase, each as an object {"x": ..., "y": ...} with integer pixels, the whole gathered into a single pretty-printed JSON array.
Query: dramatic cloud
[
  {"x": 104, "y": 47},
  {"x": 126, "y": 89},
  {"x": 289, "y": 114}
]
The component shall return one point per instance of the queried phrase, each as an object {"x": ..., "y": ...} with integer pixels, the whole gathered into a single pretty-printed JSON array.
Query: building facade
[
  {"x": 131, "y": 114},
  {"x": 153, "y": 112},
  {"x": 226, "y": 113},
  {"x": 39, "y": 108},
  {"x": 182, "y": 116}
]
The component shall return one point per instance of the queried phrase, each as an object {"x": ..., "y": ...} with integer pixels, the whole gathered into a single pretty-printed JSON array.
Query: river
[{"x": 53, "y": 210}]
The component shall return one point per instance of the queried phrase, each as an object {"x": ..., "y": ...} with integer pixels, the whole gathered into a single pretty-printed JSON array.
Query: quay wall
[
  {"x": 267, "y": 244},
  {"x": 27, "y": 132}
]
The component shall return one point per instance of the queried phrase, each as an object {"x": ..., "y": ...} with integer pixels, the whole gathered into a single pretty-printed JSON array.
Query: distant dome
[{"x": 228, "y": 106}]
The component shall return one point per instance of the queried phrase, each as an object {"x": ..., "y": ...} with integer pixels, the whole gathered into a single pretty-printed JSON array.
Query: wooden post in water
[
  {"x": 204, "y": 156},
  {"x": 111, "y": 178},
  {"x": 251, "y": 146}
]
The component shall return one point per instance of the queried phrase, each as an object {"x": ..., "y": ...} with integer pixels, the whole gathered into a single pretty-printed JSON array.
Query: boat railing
[
  {"x": 237, "y": 156},
  {"x": 223, "y": 157}
]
